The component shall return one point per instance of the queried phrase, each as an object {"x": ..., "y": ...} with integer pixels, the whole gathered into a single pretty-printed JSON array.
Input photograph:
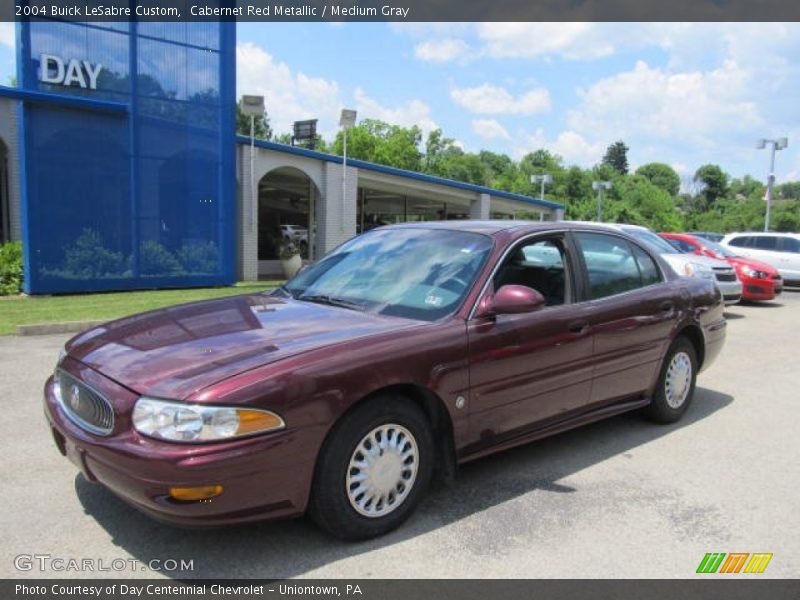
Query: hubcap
[
  {"x": 382, "y": 470},
  {"x": 678, "y": 380}
]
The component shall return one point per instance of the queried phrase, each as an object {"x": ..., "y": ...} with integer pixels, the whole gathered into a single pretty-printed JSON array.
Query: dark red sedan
[
  {"x": 407, "y": 351},
  {"x": 760, "y": 281}
]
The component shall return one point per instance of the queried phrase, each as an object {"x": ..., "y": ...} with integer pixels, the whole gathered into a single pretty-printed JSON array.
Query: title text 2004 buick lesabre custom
[{"x": 407, "y": 351}]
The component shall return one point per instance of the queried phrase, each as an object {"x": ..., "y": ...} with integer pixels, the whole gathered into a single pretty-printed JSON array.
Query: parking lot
[{"x": 617, "y": 499}]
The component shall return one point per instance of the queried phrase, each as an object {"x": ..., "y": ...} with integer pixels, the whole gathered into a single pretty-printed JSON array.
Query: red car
[
  {"x": 407, "y": 351},
  {"x": 760, "y": 281}
]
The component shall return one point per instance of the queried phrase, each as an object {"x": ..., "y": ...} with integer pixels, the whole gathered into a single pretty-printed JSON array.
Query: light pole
[
  {"x": 252, "y": 106},
  {"x": 544, "y": 178},
  {"x": 600, "y": 186},
  {"x": 777, "y": 144},
  {"x": 347, "y": 120}
]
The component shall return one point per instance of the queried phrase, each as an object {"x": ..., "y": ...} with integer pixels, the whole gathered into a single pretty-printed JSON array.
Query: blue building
[{"x": 120, "y": 167}]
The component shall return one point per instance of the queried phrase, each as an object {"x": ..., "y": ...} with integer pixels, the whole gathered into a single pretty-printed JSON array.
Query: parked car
[
  {"x": 690, "y": 266},
  {"x": 708, "y": 235},
  {"x": 781, "y": 250},
  {"x": 407, "y": 351},
  {"x": 760, "y": 281}
]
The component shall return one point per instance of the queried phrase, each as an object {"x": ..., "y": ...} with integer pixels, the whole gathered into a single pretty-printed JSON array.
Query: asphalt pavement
[{"x": 623, "y": 498}]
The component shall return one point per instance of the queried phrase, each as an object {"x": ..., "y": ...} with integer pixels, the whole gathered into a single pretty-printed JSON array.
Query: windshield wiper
[{"x": 331, "y": 301}]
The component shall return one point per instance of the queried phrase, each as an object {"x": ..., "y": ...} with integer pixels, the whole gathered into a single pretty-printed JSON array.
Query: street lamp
[
  {"x": 543, "y": 179},
  {"x": 600, "y": 186},
  {"x": 252, "y": 106},
  {"x": 347, "y": 120},
  {"x": 777, "y": 144}
]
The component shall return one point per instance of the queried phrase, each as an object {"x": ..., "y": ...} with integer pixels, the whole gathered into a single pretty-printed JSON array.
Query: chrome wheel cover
[
  {"x": 382, "y": 470},
  {"x": 678, "y": 380}
]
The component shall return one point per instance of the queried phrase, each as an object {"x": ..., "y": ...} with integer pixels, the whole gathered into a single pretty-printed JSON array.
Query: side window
[
  {"x": 740, "y": 242},
  {"x": 789, "y": 245},
  {"x": 540, "y": 265},
  {"x": 610, "y": 263},
  {"x": 766, "y": 242},
  {"x": 647, "y": 266}
]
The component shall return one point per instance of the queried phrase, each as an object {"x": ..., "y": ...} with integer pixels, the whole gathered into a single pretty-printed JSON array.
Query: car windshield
[
  {"x": 413, "y": 273},
  {"x": 653, "y": 240},
  {"x": 719, "y": 249}
]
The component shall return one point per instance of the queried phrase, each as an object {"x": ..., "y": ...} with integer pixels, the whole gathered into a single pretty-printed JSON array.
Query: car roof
[
  {"x": 491, "y": 227},
  {"x": 763, "y": 233}
]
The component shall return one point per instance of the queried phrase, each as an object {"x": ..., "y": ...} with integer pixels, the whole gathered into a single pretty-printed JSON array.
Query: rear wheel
[
  {"x": 676, "y": 383},
  {"x": 373, "y": 469}
]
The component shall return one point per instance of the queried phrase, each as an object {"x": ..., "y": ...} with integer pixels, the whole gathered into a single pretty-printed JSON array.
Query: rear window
[
  {"x": 790, "y": 245},
  {"x": 742, "y": 241}
]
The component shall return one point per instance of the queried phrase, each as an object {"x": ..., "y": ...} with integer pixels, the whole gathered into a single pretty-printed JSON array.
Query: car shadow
[
  {"x": 291, "y": 548},
  {"x": 732, "y": 316}
]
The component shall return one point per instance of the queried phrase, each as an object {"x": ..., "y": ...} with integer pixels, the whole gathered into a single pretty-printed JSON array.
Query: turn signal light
[
  {"x": 252, "y": 421},
  {"x": 193, "y": 494}
]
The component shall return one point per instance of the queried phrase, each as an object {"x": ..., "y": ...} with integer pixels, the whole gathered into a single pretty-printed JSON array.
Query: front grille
[
  {"x": 84, "y": 407},
  {"x": 725, "y": 274}
]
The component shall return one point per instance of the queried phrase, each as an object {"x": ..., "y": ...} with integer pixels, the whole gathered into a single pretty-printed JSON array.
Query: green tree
[
  {"x": 714, "y": 182},
  {"x": 645, "y": 204},
  {"x": 616, "y": 157},
  {"x": 746, "y": 188},
  {"x": 379, "y": 142},
  {"x": 662, "y": 176},
  {"x": 790, "y": 190}
]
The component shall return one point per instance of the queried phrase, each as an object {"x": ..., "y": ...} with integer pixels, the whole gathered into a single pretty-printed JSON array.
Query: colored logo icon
[{"x": 735, "y": 562}]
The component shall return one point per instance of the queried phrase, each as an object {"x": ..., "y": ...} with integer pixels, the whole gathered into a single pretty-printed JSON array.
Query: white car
[
  {"x": 689, "y": 265},
  {"x": 781, "y": 250},
  {"x": 295, "y": 234}
]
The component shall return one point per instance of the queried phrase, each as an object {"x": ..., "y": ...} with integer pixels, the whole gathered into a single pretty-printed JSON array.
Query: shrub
[
  {"x": 87, "y": 258},
  {"x": 199, "y": 257},
  {"x": 155, "y": 259},
  {"x": 10, "y": 268}
]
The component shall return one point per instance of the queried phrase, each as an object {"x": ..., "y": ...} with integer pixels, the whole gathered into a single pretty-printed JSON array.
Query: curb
[{"x": 51, "y": 328}]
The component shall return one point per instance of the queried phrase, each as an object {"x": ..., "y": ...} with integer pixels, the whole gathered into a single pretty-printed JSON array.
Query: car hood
[
  {"x": 678, "y": 261},
  {"x": 741, "y": 261},
  {"x": 177, "y": 351}
]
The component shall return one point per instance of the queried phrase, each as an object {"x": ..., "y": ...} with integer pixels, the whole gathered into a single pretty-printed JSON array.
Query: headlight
[
  {"x": 691, "y": 269},
  {"x": 750, "y": 272},
  {"x": 180, "y": 422}
]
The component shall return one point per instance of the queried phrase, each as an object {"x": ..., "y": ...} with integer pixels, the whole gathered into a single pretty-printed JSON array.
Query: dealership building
[{"x": 120, "y": 167}]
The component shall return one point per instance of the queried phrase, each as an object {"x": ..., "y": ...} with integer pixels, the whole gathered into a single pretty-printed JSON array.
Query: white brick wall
[{"x": 9, "y": 133}]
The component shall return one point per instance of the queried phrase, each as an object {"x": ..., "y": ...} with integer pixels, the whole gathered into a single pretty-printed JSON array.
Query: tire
[
  {"x": 675, "y": 387},
  {"x": 401, "y": 429}
]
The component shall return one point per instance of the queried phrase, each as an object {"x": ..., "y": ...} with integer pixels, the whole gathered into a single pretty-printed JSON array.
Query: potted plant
[{"x": 290, "y": 259}]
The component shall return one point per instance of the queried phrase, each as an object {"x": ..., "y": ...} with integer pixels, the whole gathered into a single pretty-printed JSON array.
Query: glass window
[
  {"x": 414, "y": 273},
  {"x": 611, "y": 266},
  {"x": 741, "y": 242},
  {"x": 682, "y": 245},
  {"x": 789, "y": 245},
  {"x": 647, "y": 266},
  {"x": 539, "y": 265},
  {"x": 766, "y": 242}
]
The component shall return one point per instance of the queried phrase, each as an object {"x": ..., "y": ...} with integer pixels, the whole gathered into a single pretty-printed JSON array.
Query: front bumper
[
  {"x": 731, "y": 291},
  {"x": 264, "y": 477},
  {"x": 761, "y": 289}
]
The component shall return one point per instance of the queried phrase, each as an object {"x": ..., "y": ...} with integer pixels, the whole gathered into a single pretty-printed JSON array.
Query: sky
[{"x": 685, "y": 94}]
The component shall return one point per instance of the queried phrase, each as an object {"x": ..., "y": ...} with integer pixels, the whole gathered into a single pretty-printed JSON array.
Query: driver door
[{"x": 527, "y": 369}]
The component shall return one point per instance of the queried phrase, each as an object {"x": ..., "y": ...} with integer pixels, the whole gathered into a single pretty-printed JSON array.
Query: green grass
[{"x": 29, "y": 310}]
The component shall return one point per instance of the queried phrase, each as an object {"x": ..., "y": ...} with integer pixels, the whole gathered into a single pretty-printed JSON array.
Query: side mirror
[{"x": 512, "y": 300}]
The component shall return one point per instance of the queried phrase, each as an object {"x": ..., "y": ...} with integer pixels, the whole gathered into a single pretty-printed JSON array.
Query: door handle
[
  {"x": 578, "y": 327},
  {"x": 666, "y": 306}
]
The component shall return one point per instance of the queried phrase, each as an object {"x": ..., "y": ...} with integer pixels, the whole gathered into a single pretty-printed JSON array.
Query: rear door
[
  {"x": 527, "y": 369},
  {"x": 630, "y": 312}
]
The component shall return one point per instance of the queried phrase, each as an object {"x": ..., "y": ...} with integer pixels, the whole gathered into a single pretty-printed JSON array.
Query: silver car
[{"x": 690, "y": 265}]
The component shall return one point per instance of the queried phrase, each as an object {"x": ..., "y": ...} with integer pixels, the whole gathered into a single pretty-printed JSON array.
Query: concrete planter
[{"x": 291, "y": 265}]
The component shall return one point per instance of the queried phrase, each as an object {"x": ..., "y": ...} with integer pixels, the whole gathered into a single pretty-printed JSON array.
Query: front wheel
[
  {"x": 676, "y": 383},
  {"x": 373, "y": 469}
]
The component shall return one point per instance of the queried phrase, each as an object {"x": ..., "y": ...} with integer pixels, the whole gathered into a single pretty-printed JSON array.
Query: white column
[
  {"x": 336, "y": 216},
  {"x": 248, "y": 217},
  {"x": 480, "y": 209}
]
